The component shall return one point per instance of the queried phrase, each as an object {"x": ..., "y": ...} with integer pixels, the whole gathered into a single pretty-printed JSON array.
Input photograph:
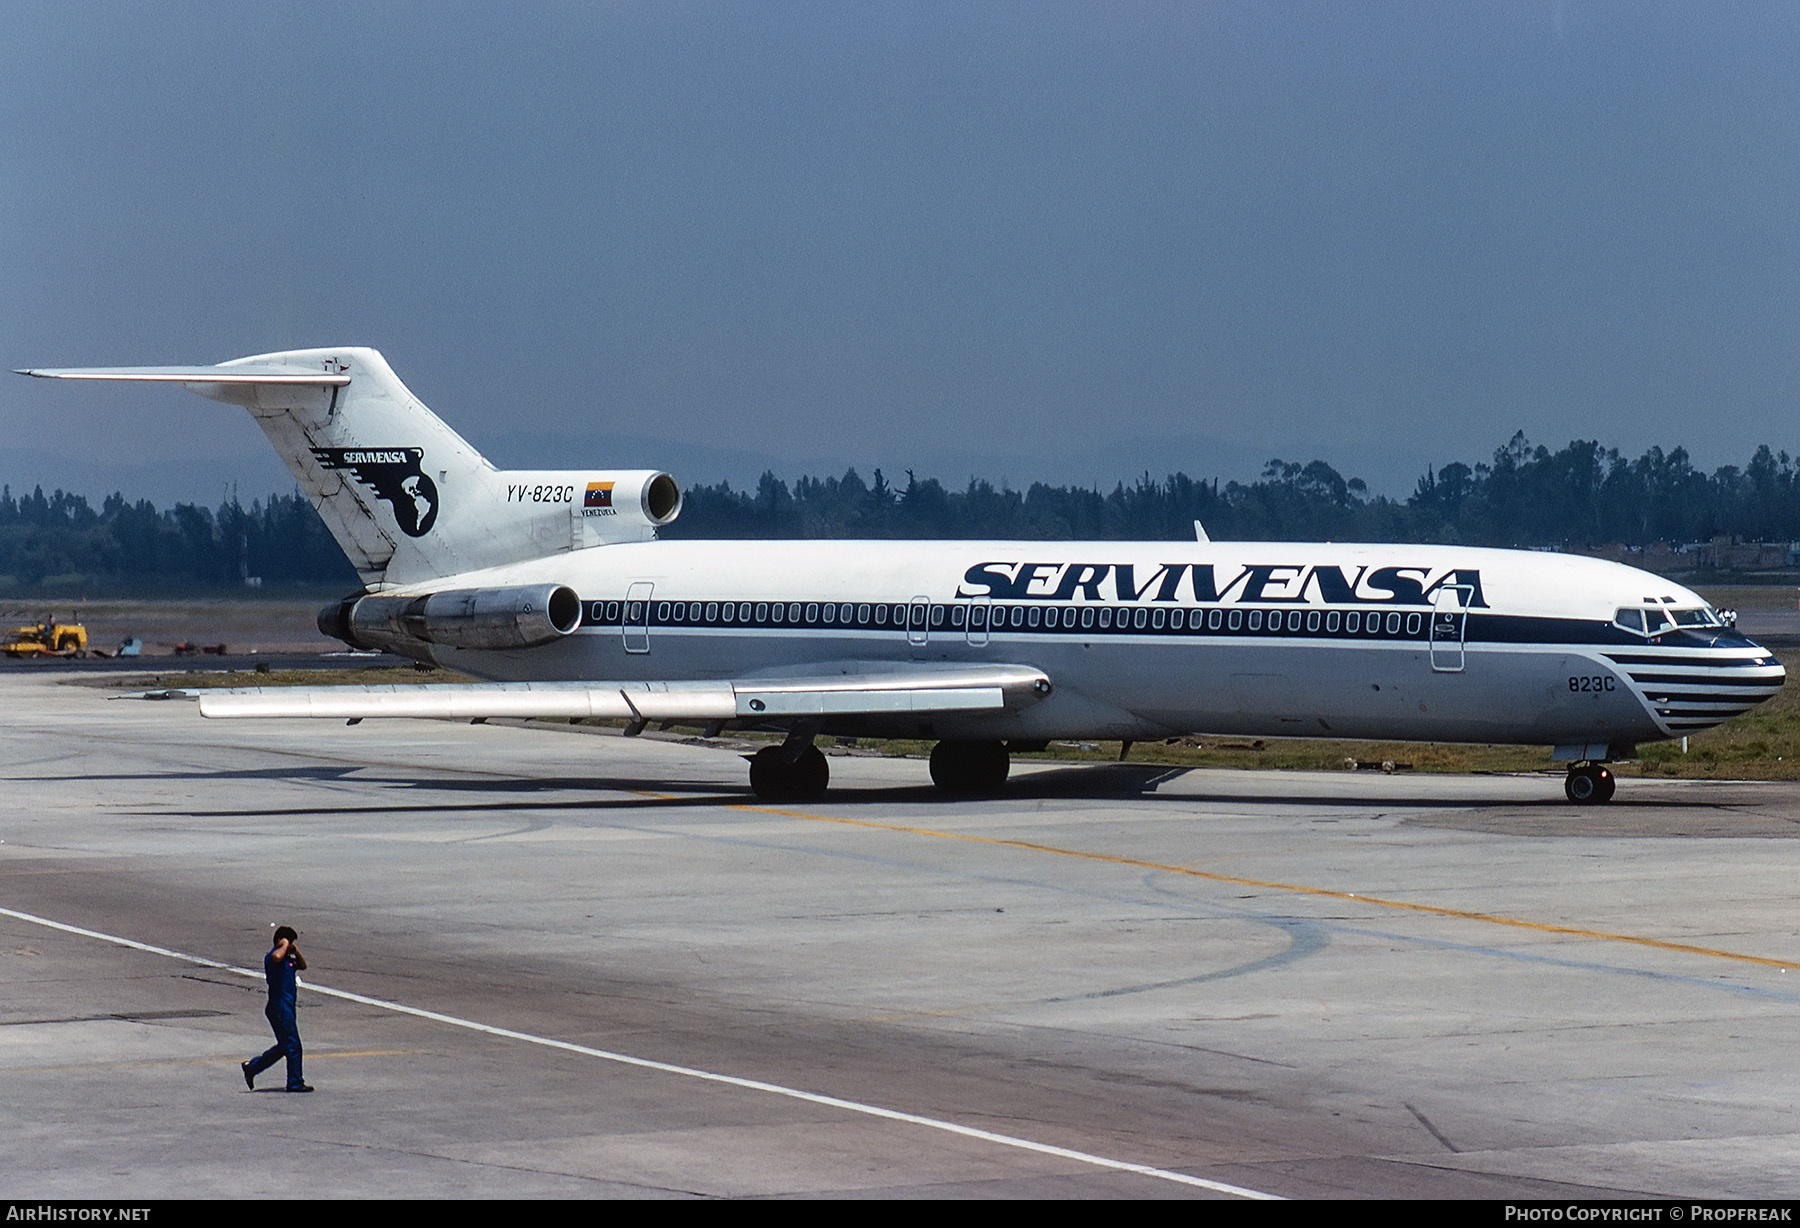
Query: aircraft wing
[{"x": 980, "y": 688}]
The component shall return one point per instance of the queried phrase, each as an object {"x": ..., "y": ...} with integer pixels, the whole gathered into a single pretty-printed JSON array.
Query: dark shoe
[
  {"x": 249, "y": 1079},
  {"x": 302, "y": 1088}
]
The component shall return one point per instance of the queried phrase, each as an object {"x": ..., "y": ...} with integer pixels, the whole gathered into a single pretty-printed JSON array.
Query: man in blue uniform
[{"x": 279, "y": 965}]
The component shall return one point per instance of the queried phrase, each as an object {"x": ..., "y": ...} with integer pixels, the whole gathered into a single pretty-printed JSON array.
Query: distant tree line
[
  {"x": 1586, "y": 495},
  {"x": 1581, "y": 496},
  {"x": 280, "y": 539}
]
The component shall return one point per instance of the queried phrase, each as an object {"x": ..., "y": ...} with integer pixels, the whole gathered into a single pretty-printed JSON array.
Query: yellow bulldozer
[{"x": 46, "y": 639}]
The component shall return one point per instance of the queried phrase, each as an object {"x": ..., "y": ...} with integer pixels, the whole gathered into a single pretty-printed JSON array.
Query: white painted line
[{"x": 625, "y": 1059}]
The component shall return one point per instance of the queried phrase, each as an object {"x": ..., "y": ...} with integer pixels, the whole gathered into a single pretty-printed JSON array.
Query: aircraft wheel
[
  {"x": 1589, "y": 785},
  {"x": 969, "y": 769},
  {"x": 811, "y": 775},
  {"x": 774, "y": 779},
  {"x": 768, "y": 774}
]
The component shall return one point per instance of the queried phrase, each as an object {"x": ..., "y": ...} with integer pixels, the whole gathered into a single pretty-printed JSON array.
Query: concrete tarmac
[{"x": 1114, "y": 981}]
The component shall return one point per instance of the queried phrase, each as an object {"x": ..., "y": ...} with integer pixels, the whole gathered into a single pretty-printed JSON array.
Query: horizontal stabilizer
[
  {"x": 196, "y": 375},
  {"x": 378, "y": 465},
  {"x": 974, "y": 689}
]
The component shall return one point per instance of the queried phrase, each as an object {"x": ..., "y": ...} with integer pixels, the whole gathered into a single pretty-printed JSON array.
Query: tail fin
[
  {"x": 376, "y": 463},
  {"x": 405, "y": 496}
]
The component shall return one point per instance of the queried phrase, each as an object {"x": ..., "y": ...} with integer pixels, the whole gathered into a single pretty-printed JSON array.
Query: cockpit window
[{"x": 1654, "y": 620}]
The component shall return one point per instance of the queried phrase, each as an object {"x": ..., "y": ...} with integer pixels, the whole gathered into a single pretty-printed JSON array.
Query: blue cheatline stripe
[
  {"x": 1744, "y": 656},
  {"x": 687, "y": 1072},
  {"x": 1363, "y": 623},
  {"x": 1707, "y": 679}
]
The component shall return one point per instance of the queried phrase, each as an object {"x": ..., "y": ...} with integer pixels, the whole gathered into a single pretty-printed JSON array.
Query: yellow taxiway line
[{"x": 1436, "y": 910}]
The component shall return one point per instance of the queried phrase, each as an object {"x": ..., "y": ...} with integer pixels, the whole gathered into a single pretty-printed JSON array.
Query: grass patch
[
  {"x": 1742, "y": 597},
  {"x": 209, "y": 679},
  {"x": 1761, "y": 745},
  {"x": 1311, "y": 755}
]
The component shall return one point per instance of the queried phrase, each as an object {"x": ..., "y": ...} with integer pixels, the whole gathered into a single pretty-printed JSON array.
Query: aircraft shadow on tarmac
[
  {"x": 323, "y": 772},
  {"x": 1548, "y": 815}
]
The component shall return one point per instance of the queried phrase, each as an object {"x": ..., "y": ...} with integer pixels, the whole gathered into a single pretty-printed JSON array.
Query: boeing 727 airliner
[{"x": 553, "y": 585}]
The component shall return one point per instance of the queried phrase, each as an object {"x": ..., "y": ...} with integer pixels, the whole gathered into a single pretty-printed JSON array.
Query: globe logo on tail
[{"x": 396, "y": 477}]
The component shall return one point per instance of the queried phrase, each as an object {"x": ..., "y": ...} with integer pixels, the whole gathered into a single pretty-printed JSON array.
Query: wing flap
[
  {"x": 617, "y": 701},
  {"x": 971, "y": 689},
  {"x": 880, "y": 701}
]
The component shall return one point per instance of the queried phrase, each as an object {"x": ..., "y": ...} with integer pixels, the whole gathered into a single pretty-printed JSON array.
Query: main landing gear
[
  {"x": 1589, "y": 784},
  {"x": 970, "y": 769},
  {"x": 796, "y": 770},
  {"x": 789, "y": 774}
]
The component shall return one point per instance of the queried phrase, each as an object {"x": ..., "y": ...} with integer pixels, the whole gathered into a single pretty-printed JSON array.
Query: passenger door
[
  {"x": 1449, "y": 619},
  {"x": 976, "y": 629},
  {"x": 635, "y": 620},
  {"x": 918, "y": 624}
]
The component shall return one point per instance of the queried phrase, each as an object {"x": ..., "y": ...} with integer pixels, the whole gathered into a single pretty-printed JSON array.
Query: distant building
[{"x": 1719, "y": 554}]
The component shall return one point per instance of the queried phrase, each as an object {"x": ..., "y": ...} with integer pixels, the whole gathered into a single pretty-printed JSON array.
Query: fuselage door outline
[
  {"x": 636, "y": 619},
  {"x": 918, "y": 624},
  {"x": 1449, "y": 619}
]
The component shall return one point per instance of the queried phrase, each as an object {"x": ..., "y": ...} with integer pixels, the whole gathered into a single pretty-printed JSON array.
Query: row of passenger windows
[{"x": 919, "y": 616}]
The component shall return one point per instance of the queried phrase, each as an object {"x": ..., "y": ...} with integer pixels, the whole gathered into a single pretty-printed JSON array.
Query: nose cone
[
  {"x": 1777, "y": 671},
  {"x": 1767, "y": 665},
  {"x": 1694, "y": 680}
]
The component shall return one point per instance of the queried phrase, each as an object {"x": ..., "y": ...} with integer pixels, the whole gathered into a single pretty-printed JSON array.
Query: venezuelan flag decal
[{"x": 598, "y": 500}]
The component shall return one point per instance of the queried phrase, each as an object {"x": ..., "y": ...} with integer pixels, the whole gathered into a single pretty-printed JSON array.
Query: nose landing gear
[{"x": 1589, "y": 784}]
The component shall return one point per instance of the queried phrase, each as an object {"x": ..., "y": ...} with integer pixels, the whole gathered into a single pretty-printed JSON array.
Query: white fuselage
[{"x": 1146, "y": 640}]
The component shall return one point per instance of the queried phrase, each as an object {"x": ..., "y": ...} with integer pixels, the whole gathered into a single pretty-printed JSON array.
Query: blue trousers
[{"x": 287, "y": 1044}]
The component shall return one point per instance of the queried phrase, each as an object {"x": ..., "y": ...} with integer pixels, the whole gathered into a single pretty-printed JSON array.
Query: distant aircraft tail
[{"x": 405, "y": 496}]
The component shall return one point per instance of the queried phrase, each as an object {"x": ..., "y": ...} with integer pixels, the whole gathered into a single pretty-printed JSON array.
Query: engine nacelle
[
  {"x": 573, "y": 509},
  {"x": 489, "y": 618},
  {"x": 657, "y": 494}
]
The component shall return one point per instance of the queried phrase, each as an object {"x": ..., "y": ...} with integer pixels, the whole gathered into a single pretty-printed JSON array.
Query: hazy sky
[{"x": 1032, "y": 240}]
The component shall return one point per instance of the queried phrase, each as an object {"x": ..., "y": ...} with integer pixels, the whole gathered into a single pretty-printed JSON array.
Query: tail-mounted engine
[
  {"x": 487, "y": 618},
  {"x": 574, "y": 509}
]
